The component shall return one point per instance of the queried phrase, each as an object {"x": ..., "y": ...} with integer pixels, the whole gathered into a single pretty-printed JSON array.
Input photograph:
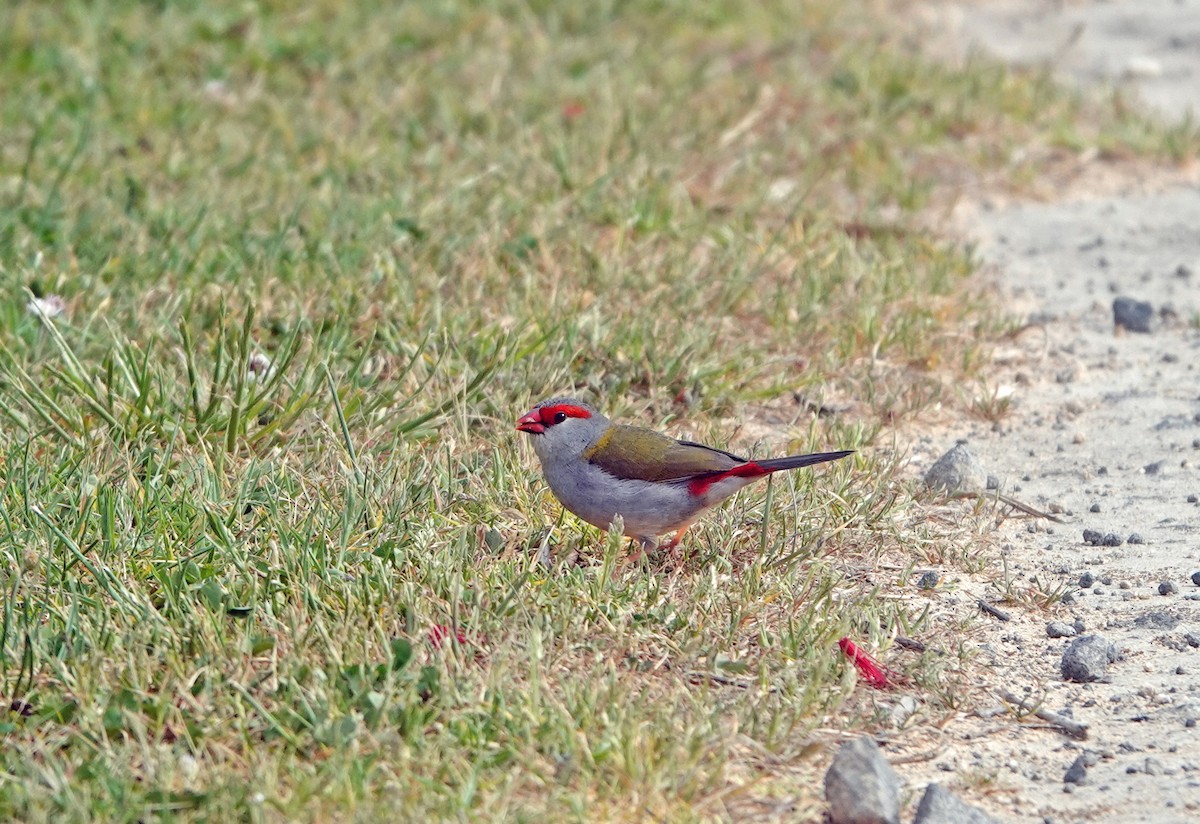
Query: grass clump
[{"x": 260, "y": 475}]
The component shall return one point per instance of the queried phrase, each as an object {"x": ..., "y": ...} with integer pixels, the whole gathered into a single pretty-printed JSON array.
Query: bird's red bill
[
  {"x": 537, "y": 420},
  {"x": 532, "y": 423}
]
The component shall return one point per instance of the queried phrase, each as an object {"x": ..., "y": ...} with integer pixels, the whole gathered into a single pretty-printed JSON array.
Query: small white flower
[
  {"x": 259, "y": 368},
  {"x": 48, "y": 307},
  {"x": 216, "y": 91}
]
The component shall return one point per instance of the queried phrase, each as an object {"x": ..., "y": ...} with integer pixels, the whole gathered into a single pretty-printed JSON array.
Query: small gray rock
[
  {"x": 928, "y": 580},
  {"x": 1135, "y": 538},
  {"x": 1094, "y": 508},
  {"x": 1077, "y": 772},
  {"x": 940, "y": 806},
  {"x": 1092, "y": 537},
  {"x": 1134, "y": 315},
  {"x": 1159, "y": 619},
  {"x": 957, "y": 471},
  {"x": 1112, "y": 539},
  {"x": 861, "y": 786},
  {"x": 1196, "y": 578},
  {"x": 1167, "y": 588},
  {"x": 1059, "y": 629},
  {"x": 1087, "y": 659},
  {"x": 1086, "y": 580},
  {"x": 1153, "y": 766}
]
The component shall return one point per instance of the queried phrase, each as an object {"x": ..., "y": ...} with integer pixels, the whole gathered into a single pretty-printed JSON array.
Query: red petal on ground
[
  {"x": 868, "y": 667},
  {"x": 440, "y": 632}
]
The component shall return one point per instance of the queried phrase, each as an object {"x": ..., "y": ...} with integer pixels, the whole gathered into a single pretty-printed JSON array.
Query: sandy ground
[{"x": 1103, "y": 427}]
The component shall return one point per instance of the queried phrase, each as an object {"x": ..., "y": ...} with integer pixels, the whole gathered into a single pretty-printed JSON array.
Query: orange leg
[{"x": 674, "y": 542}]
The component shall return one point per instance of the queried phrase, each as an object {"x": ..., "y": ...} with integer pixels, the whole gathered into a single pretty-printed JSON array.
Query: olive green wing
[{"x": 642, "y": 454}]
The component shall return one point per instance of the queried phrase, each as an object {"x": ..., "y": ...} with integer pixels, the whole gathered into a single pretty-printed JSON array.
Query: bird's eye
[{"x": 559, "y": 417}]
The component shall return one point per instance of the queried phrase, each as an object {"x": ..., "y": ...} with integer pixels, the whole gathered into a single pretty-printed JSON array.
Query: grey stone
[
  {"x": 1156, "y": 619},
  {"x": 1135, "y": 538},
  {"x": 940, "y": 806},
  {"x": 1060, "y": 629},
  {"x": 957, "y": 471},
  {"x": 861, "y": 786},
  {"x": 1167, "y": 588},
  {"x": 1134, "y": 315},
  {"x": 1087, "y": 659},
  {"x": 928, "y": 580},
  {"x": 1087, "y": 579},
  {"x": 1077, "y": 772},
  {"x": 1196, "y": 578}
]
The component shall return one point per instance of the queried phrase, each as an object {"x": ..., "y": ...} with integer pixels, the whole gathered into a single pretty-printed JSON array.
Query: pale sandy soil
[{"x": 1103, "y": 426}]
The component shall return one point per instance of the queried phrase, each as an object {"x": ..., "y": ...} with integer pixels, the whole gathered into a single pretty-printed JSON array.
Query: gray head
[{"x": 562, "y": 427}]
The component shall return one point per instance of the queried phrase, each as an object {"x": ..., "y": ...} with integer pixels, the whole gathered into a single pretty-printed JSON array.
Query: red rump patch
[
  {"x": 548, "y": 413},
  {"x": 698, "y": 486}
]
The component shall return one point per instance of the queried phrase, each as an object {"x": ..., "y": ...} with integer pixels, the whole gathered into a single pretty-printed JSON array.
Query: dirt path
[{"x": 1103, "y": 426}]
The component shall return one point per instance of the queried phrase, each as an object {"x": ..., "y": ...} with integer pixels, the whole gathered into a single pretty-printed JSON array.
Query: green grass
[{"x": 218, "y": 588}]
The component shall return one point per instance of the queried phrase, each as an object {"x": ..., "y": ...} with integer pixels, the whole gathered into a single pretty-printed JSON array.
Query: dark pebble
[
  {"x": 1167, "y": 588},
  {"x": 1077, "y": 772},
  {"x": 860, "y": 784},
  {"x": 1112, "y": 539},
  {"x": 1059, "y": 629},
  {"x": 928, "y": 580},
  {"x": 1192, "y": 639},
  {"x": 1135, "y": 538},
  {"x": 1134, "y": 315},
  {"x": 1191, "y": 499},
  {"x": 1087, "y": 579},
  {"x": 1094, "y": 508},
  {"x": 939, "y": 806},
  {"x": 1087, "y": 659},
  {"x": 1091, "y": 537},
  {"x": 1196, "y": 578}
]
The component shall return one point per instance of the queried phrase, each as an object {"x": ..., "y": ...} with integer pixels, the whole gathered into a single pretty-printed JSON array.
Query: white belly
[{"x": 647, "y": 509}]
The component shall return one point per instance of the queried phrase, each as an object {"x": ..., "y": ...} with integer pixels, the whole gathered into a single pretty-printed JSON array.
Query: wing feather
[{"x": 642, "y": 454}]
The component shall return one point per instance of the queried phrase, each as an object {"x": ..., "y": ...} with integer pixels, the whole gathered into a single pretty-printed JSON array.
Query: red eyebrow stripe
[
  {"x": 698, "y": 486},
  {"x": 547, "y": 413}
]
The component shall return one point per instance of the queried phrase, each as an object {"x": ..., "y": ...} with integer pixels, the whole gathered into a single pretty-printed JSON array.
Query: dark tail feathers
[{"x": 797, "y": 461}]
